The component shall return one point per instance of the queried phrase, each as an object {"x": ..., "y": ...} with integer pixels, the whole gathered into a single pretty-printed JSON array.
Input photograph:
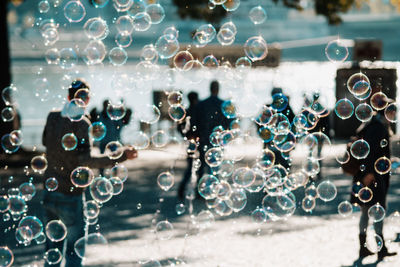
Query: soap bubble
[
  {"x": 75, "y": 109},
  {"x": 96, "y": 28},
  {"x": 51, "y": 184},
  {"x": 256, "y": 48},
  {"x": 4, "y": 204},
  {"x": 69, "y": 142},
  {"x": 142, "y": 22},
  {"x": 97, "y": 131},
  {"x": 237, "y": 199},
  {"x": 167, "y": 46},
  {"x": 17, "y": 205},
  {"x": 257, "y": 15},
  {"x": 16, "y": 138},
  {"x": 10, "y": 94},
  {"x": 360, "y": 149},
  {"x": 99, "y": 3},
  {"x": 243, "y": 63},
  {"x": 308, "y": 203},
  {"x": 53, "y": 256},
  {"x": 326, "y": 191},
  {"x": 94, "y": 53},
  {"x": 345, "y": 208},
  {"x": 376, "y": 213},
  {"x": 204, "y": 35},
  {"x": 56, "y": 230},
  {"x": 336, "y": 51},
  {"x": 364, "y": 112},
  {"x": 82, "y": 176},
  {"x": 360, "y": 78},
  {"x": 177, "y": 113},
  {"x": 118, "y": 56},
  {"x": 74, "y": 11},
  {"x": 208, "y": 186},
  {"x": 123, "y": 39},
  {"x": 205, "y": 219},
  {"x": 165, "y": 180},
  {"x": 344, "y": 108},
  {"x": 383, "y": 165},
  {"x": 114, "y": 150},
  {"x": 6, "y": 257},
  {"x": 27, "y": 191},
  {"x": 101, "y": 189},
  {"x": 159, "y": 138},
  {"x": 149, "y": 114},
  {"x": 44, "y": 6},
  {"x": 34, "y": 224},
  {"x": 39, "y": 164},
  {"x": 124, "y": 24},
  {"x": 259, "y": 215},
  {"x": 91, "y": 209},
  {"x": 231, "y": 5},
  {"x": 7, "y": 114},
  {"x": 156, "y": 13},
  {"x": 214, "y": 156},
  {"x": 379, "y": 101},
  {"x": 391, "y": 112},
  {"x": 164, "y": 230},
  {"x": 228, "y": 109},
  {"x": 116, "y": 111},
  {"x": 180, "y": 209},
  {"x": 365, "y": 194},
  {"x": 137, "y": 6},
  {"x": 181, "y": 58},
  {"x": 243, "y": 177},
  {"x": 92, "y": 244},
  {"x": 279, "y": 207}
]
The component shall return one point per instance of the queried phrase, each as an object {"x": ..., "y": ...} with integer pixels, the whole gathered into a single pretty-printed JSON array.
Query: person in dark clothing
[
  {"x": 186, "y": 130},
  {"x": 208, "y": 116},
  {"x": 66, "y": 202},
  {"x": 373, "y": 132}
]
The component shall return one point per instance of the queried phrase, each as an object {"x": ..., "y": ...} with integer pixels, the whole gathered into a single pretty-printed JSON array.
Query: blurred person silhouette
[
  {"x": 66, "y": 202},
  {"x": 187, "y": 130},
  {"x": 288, "y": 112},
  {"x": 113, "y": 127},
  {"x": 376, "y": 133},
  {"x": 208, "y": 116}
]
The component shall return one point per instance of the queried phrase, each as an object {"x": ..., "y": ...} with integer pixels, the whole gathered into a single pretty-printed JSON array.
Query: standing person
[
  {"x": 66, "y": 203},
  {"x": 208, "y": 116},
  {"x": 187, "y": 131},
  {"x": 373, "y": 132}
]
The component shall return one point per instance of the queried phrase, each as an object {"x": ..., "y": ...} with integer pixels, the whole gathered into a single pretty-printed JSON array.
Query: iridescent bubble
[
  {"x": 225, "y": 169},
  {"x": 53, "y": 256},
  {"x": 120, "y": 171},
  {"x": 364, "y": 112},
  {"x": 6, "y": 257},
  {"x": 156, "y": 13},
  {"x": 365, "y": 194},
  {"x": 344, "y": 108},
  {"x": 95, "y": 241},
  {"x": 265, "y": 116},
  {"x": 336, "y": 51},
  {"x": 383, "y": 165},
  {"x": 345, "y": 208},
  {"x": 23, "y": 235},
  {"x": 180, "y": 209},
  {"x": 181, "y": 58},
  {"x": 391, "y": 112},
  {"x": 44, "y": 6},
  {"x": 311, "y": 166},
  {"x": 84, "y": 95},
  {"x": 177, "y": 113},
  {"x": 75, "y": 109},
  {"x": 360, "y": 78},
  {"x": 141, "y": 22},
  {"x": 205, "y": 219},
  {"x": 82, "y": 177},
  {"x": 68, "y": 58},
  {"x": 123, "y": 39},
  {"x": 279, "y": 102},
  {"x": 91, "y": 209},
  {"x": 52, "y": 56},
  {"x": 96, "y": 28},
  {"x": 208, "y": 186},
  {"x": 326, "y": 191},
  {"x": 167, "y": 46},
  {"x": 56, "y": 230},
  {"x": 159, "y": 138},
  {"x": 74, "y": 11},
  {"x": 164, "y": 230},
  {"x": 259, "y": 216},
  {"x": 39, "y": 164},
  {"x": 7, "y": 114},
  {"x": 343, "y": 158},
  {"x": 243, "y": 63},
  {"x": 228, "y": 109},
  {"x": 256, "y": 48},
  {"x": 137, "y": 6},
  {"x": 99, "y": 3},
  {"x": 17, "y": 205},
  {"x": 51, "y": 184},
  {"x": 10, "y": 94},
  {"x": 243, "y": 177},
  {"x": 124, "y": 24},
  {"x": 118, "y": 185},
  {"x": 374, "y": 242},
  {"x": 279, "y": 207},
  {"x": 308, "y": 203},
  {"x": 27, "y": 191},
  {"x": 118, "y": 56},
  {"x": 69, "y": 142},
  {"x": 360, "y": 149},
  {"x": 214, "y": 156},
  {"x": 97, "y": 131},
  {"x": 101, "y": 189},
  {"x": 34, "y": 224},
  {"x": 165, "y": 180},
  {"x": 376, "y": 213},
  {"x": 217, "y": 2},
  {"x": 94, "y": 53},
  {"x": 226, "y": 36},
  {"x": 266, "y": 134},
  {"x": 237, "y": 200},
  {"x": 149, "y": 114},
  {"x": 257, "y": 15},
  {"x": 114, "y": 150},
  {"x": 231, "y": 5},
  {"x": 379, "y": 101},
  {"x": 204, "y": 35},
  {"x": 4, "y": 204},
  {"x": 383, "y": 143},
  {"x": 285, "y": 141}
]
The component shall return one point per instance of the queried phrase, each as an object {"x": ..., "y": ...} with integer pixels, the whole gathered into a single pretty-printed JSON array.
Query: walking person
[{"x": 65, "y": 203}]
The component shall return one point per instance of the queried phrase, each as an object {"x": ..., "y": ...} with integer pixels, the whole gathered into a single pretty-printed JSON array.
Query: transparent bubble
[
  {"x": 208, "y": 186},
  {"x": 82, "y": 176},
  {"x": 177, "y": 112},
  {"x": 39, "y": 164},
  {"x": 279, "y": 102},
  {"x": 118, "y": 56},
  {"x": 326, "y": 191},
  {"x": 149, "y": 53},
  {"x": 344, "y": 108},
  {"x": 364, "y": 112},
  {"x": 97, "y": 131},
  {"x": 226, "y": 36},
  {"x": 41, "y": 239},
  {"x": 139, "y": 140},
  {"x": 4, "y": 204},
  {"x": 94, "y": 53},
  {"x": 90, "y": 244},
  {"x": 156, "y": 13},
  {"x": 284, "y": 141},
  {"x": 7, "y": 114},
  {"x": 52, "y": 56},
  {"x": 257, "y": 15},
  {"x": 23, "y": 235},
  {"x": 243, "y": 177},
  {"x": 210, "y": 61},
  {"x": 53, "y": 256},
  {"x": 165, "y": 180},
  {"x": 96, "y": 28},
  {"x": 256, "y": 48},
  {"x": 217, "y": 2},
  {"x": 205, "y": 219},
  {"x": 27, "y": 191},
  {"x": 101, "y": 189},
  {"x": 99, "y": 3},
  {"x": 17, "y": 205},
  {"x": 6, "y": 217},
  {"x": 10, "y": 94},
  {"x": 159, "y": 138},
  {"x": 308, "y": 203},
  {"x": 120, "y": 171},
  {"x": 279, "y": 207},
  {"x": 228, "y": 109},
  {"x": 91, "y": 209},
  {"x": 231, "y": 5},
  {"x": 164, "y": 230},
  {"x": 259, "y": 216},
  {"x": 214, "y": 156},
  {"x": 379, "y": 101},
  {"x": 118, "y": 185},
  {"x": 114, "y": 150},
  {"x": 56, "y": 230},
  {"x": 181, "y": 58},
  {"x": 383, "y": 143},
  {"x": 69, "y": 142},
  {"x": 44, "y": 6},
  {"x": 124, "y": 24},
  {"x": 6, "y": 257},
  {"x": 365, "y": 194},
  {"x": 374, "y": 242},
  {"x": 383, "y": 165},
  {"x": 141, "y": 22},
  {"x": 343, "y": 158},
  {"x": 123, "y": 39},
  {"x": 75, "y": 109},
  {"x": 376, "y": 213},
  {"x": 204, "y": 35},
  {"x": 68, "y": 58},
  {"x": 336, "y": 51},
  {"x": 391, "y": 112},
  {"x": 116, "y": 111},
  {"x": 360, "y": 149},
  {"x": 180, "y": 209},
  {"x": 243, "y": 63},
  {"x": 34, "y": 224},
  {"x": 136, "y": 7},
  {"x": 51, "y": 184},
  {"x": 237, "y": 200},
  {"x": 74, "y": 11},
  {"x": 225, "y": 169},
  {"x": 311, "y": 166},
  {"x": 149, "y": 114},
  {"x": 362, "y": 81},
  {"x": 167, "y": 46}
]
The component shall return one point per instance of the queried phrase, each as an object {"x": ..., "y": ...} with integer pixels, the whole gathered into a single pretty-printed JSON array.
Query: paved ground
[{"x": 321, "y": 239}]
